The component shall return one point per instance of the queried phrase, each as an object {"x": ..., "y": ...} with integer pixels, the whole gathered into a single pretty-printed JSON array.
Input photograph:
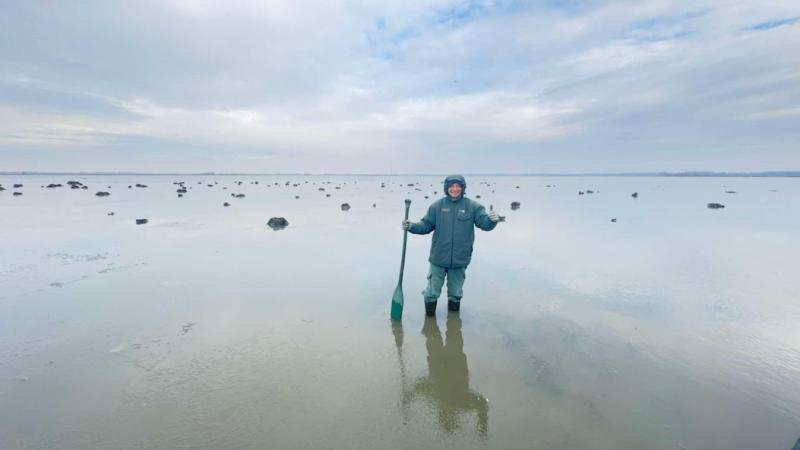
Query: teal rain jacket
[{"x": 453, "y": 224}]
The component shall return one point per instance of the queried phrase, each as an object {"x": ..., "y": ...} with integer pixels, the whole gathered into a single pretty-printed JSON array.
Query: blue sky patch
[{"x": 775, "y": 23}]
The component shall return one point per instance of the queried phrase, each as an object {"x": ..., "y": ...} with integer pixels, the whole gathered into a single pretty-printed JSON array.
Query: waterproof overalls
[{"x": 453, "y": 223}]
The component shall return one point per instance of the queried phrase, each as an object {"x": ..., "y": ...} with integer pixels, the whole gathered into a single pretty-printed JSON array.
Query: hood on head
[{"x": 455, "y": 179}]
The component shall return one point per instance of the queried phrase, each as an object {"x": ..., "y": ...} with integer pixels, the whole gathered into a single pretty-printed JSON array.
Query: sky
[{"x": 413, "y": 86}]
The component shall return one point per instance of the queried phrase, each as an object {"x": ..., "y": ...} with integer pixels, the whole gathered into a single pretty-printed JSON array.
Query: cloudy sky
[{"x": 432, "y": 86}]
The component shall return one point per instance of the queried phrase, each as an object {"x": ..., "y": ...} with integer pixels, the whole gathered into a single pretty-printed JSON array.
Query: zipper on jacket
[{"x": 453, "y": 235}]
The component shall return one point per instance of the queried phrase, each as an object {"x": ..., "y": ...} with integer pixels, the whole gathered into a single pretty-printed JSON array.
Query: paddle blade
[{"x": 397, "y": 303}]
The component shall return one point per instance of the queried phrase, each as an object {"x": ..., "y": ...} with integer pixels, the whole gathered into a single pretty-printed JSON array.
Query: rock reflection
[{"x": 446, "y": 386}]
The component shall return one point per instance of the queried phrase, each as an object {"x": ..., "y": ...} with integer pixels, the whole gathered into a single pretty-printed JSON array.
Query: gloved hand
[
  {"x": 493, "y": 216},
  {"x": 406, "y": 225}
]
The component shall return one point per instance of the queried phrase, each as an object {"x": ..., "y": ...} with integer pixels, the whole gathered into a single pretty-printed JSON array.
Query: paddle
[{"x": 397, "y": 298}]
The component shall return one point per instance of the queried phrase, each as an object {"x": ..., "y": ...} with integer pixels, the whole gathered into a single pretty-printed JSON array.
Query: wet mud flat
[{"x": 207, "y": 328}]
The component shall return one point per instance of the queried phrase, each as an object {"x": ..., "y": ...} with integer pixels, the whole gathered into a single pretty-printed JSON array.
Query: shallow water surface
[{"x": 673, "y": 327}]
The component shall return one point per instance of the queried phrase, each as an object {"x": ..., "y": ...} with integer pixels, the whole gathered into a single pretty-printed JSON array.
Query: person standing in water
[{"x": 452, "y": 220}]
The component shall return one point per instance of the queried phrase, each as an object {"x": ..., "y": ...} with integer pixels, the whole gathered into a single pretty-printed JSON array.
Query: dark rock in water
[
  {"x": 17, "y": 193},
  {"x": 141, "y": 185},
  {"x": 614, "y": 220},
  {"x": 345, "y": 207},
  {"x": 277, "y": 223},
  {"x": 74, "y": 186},
  {"x": 111, "y": 213},
  {"x": 129, "y": 186},
  {"x": 226, "y": 204},
  {"x": 730, "y": 192},
  {"x": 517, "y": 187},
  {"x": 84, "y": 187},
  {"x": 237, "y": 195},
  {"x": 327, "y": 195},
  {"x": 320, "y": 189},
  {"x": 589, "y": 191},
  {"x": 796, "y": 445},
  {"x": 74, "y": 183},
  {"x": 715, "y": 205},
  {"x": 374, "y": 205},
  {"x": 296, "y": 197},
  {"x": 180, "y": 195},
  {"x": 181, "y": 190},
  {"x": 426, "y": 196},
  {"x": 635, "y": 195},
  {"x": 141, "y": 221},
  {"x": 2, "y": 188},
  {"x": 580, "y": 192},
  {"x": 514, "y": 205},
  {"x": 17, "y": 186},
  {"x": 53, "y": 185},
  {"x": 477, "y": 196},
  {"x": 102, "y": 194}
]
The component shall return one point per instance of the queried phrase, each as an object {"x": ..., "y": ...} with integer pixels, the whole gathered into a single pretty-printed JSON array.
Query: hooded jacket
[{"x": 453, "y": 225}]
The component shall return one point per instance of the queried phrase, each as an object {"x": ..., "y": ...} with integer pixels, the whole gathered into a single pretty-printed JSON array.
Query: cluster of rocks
[
  {"x": 181, "y": 188},
  {"x": 277, "y": 223}
]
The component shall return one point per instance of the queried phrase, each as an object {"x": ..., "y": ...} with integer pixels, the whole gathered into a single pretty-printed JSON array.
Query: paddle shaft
[{"x": 405, "y": 239}]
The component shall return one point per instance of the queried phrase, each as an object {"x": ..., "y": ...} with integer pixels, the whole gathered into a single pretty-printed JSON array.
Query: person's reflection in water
[{"x": 447, "y": 383}]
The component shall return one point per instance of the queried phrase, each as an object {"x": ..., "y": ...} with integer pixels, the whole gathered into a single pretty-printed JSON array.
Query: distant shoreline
[{"x": 621, "y": 174}]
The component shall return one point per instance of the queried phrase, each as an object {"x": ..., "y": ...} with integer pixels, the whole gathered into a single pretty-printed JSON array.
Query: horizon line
[{"x": 696, "y": 173}]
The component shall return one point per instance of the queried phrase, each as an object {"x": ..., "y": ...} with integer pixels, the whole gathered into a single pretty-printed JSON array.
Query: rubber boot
[
  {"x": 453, "y": 305},
  {"x": 430, "y": 309}
]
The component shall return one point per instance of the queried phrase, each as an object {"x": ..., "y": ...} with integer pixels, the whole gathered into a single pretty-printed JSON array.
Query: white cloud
[{"x": 306, "y": 81}]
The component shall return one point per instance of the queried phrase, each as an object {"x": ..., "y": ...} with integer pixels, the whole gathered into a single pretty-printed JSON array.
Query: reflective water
[{"x": 673, "y": 327}]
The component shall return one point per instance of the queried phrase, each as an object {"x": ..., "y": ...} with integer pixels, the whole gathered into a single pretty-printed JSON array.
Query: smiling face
[{"x": 454, "y": 190}]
